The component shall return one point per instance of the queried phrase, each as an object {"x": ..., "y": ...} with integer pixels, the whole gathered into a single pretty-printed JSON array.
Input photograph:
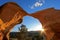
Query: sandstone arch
[{"x": 49, "y": 18}]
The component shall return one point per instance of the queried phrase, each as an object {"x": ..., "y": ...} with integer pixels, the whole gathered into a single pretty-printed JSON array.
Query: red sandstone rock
[
  {"x": 50, "y": 18},
  {"x": 8, "y": 10}
]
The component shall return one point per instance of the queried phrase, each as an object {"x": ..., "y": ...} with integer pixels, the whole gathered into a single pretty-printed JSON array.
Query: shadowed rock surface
[
  {"x": 50, "y": 18},
  {"x": 8, "y": 10}
]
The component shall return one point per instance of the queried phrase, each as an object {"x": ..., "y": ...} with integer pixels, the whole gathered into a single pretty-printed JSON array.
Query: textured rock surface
[
  {"x": 8, "y": 10},
  {"x": 50, "y": 18}
]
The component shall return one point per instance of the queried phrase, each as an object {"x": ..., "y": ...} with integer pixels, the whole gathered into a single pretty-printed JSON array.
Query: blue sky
[{"x": 31, "y": 6}]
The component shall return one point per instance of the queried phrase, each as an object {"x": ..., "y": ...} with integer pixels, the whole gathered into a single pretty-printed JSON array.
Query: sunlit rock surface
[
  {"x": 50, "y": 18},
  {"x": 7, "y": 12}
]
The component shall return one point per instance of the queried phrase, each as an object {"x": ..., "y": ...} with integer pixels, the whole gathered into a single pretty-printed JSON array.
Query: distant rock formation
[{"x": 50, "y": 18}]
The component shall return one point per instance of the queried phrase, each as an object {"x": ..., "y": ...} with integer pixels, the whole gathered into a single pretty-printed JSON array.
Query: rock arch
[{"x": 48, "y": 18}]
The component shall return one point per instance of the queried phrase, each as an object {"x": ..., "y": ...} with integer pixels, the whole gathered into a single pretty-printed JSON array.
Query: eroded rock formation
[
  {"x": 50, "y": 19},
  {"x": 10, "y": 15},
  {"x": 8, "y": 10}
]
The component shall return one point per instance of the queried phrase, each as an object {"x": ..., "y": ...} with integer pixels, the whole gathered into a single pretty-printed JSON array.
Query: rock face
[
  {"x": 8, "y": 10},
  {"x": 50, "y": 18}
]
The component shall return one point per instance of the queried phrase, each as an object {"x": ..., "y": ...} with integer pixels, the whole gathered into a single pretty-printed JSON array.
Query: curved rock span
[
  {"x": 12, "y": 14},
  {"x": 50, "y": 19}
]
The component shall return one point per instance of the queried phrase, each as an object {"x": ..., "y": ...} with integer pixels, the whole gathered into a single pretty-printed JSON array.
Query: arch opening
[{"x": 31, "y": 23}]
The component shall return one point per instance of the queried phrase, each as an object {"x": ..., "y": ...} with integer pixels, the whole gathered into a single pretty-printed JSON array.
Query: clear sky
[{"x": 32, "y": 6}]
